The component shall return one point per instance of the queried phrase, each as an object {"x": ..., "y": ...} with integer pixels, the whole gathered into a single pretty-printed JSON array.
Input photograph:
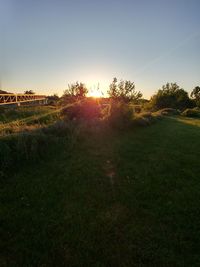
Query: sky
[{"x": 47, "y": 44}]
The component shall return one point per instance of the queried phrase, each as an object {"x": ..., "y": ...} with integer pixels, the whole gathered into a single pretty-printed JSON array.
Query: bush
[
  {"x": 191, "y": 112},
  {"x": 168, "y": 111},
  {"x": 120, "y": 115},
  {"x": 146, "y": 118},
  {"x": 172, "y": 96},
  {"x": 87, "y": 110}
]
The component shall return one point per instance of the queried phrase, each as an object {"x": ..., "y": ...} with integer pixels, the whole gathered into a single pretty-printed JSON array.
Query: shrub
[
  {"x": 191, "y": 112},
  {"x": 197, "y": 109},
  {"x": 143, "y": 119},
  {"x": 157, "y": 115},
  {"x": 87, "y": 110},
  {"x": 146, "y": 118},
  {"x": 147, "y": 115},
  {"x": 68, "y": 130},
  {"x": 195, "y": 94},
  {"x": 168, "y": 111},
  {"x": 120, "y": 115}
]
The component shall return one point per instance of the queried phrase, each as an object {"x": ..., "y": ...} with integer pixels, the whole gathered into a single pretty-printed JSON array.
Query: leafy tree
[
  {"x": 123, "y": 91},
  {"x": 171, "y": 96},
  {"x": 75, "y": 91},
  {"x": 195, "y": 94},
  {"x": 29, "y": 92}
]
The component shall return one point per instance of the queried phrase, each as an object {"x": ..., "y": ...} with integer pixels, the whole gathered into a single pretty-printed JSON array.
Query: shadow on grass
[{"x": 62, "y": 212}]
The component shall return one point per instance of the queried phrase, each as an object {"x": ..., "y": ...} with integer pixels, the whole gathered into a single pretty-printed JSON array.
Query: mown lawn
[{"x": 120, "y": 199}]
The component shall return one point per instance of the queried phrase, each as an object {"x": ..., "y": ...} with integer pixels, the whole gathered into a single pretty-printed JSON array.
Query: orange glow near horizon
[{"x": 95, "y": 94}]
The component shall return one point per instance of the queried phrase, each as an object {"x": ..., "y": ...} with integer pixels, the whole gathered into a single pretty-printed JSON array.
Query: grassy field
[
  {"x": 117, "y": 199},
  {"x": 25, "y": 118}
]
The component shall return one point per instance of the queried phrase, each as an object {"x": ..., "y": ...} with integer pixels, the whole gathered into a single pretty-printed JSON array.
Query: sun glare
[{"x": 95, "y": 93}]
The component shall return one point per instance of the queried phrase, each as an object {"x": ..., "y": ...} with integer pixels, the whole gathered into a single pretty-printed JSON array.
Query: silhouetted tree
[
  {"x": 195, "y": 94},
  {"x": 123, "y": 91},
  {"x": 171, "y": 96},
  {"x": 29, "y": 92},
  {"x": 76, "y": 91}
]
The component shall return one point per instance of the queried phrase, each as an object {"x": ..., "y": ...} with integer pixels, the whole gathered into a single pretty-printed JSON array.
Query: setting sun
[{"x": 95, "y": 93}]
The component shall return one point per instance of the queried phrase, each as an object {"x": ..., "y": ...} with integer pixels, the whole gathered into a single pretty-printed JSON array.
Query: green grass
[
  {"x": 8, "y": 114},
  {"x": 26, "y": 118},
  {"x": 120, "y": 199}
]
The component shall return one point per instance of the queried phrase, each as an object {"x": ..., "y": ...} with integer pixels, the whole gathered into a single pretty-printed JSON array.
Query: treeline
[{"x": 170, "y": 95}]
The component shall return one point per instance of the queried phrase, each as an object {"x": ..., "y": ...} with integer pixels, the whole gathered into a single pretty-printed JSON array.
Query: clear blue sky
[{"x": 46, "y": 44}]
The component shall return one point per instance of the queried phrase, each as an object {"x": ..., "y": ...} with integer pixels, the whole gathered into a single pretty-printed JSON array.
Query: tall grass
[
  {"x": 17, "y": 150},
  {"x": 44, "y": 116},
  {"x": 30, "y": 134},
  {"x": 33, "y": 138},
  {"x": 8, "y": 114}
]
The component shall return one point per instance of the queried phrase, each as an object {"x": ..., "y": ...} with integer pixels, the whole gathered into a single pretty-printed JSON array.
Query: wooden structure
[{"x": 6, "y": 99}]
